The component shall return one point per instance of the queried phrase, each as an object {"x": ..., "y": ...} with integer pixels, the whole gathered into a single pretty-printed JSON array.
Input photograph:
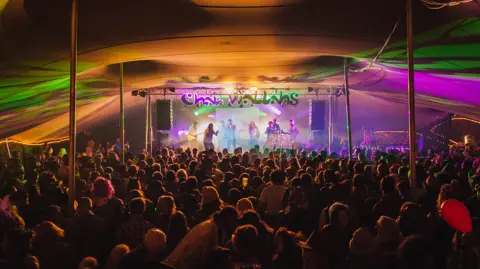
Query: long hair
[
  {"x": 103, "y": 188},
  {"x": 48, "y": 232}
]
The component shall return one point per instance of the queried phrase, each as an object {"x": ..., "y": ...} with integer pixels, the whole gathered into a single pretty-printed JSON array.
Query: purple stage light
[{"x": 182, "y": 132}]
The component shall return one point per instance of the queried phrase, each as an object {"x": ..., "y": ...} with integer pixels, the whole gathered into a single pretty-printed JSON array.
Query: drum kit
[{"x": 280, "y": 140}]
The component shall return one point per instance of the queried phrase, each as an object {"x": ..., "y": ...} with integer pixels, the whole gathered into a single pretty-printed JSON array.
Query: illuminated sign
[{"x": 240, "y": 100}]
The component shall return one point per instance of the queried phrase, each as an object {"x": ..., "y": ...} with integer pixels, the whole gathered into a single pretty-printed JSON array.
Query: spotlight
[
  {"x": 196, "y": 113},
  {"x": 171, "y": 89},
  {"x": 211, "y": 116},
  {"x": 310, "y": 89},
  {"x": 135, "y": 93},
  {"x": 229, "y": 90},
  {"x": 142, "y": 93},
  {"x": 276, "y": 110}
]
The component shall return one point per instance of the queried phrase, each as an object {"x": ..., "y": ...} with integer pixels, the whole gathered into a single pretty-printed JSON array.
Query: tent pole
[
  {"x": 349, "y": 122},
  {"x": 73, "y": 109},
  {"x": 411, "y": 93},
  {"x": 150, "y": 131},
  {"x": 146, "y": 123},
  {"x": 122, "y": 117}
]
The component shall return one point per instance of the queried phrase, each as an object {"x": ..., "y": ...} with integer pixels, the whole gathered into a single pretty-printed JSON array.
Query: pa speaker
[
  {"x": 164, "y": 115},
  {"x": 317, "y": 115}
]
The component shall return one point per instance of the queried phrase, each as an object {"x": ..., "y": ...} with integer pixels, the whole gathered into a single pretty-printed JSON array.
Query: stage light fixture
[
  {"x": 171, "y": 89},
  {"x": 310, "y": 89},
  {"x": 143, "y": 93},
  {"x": 135, "y": 93},
  {"x": 229, "y": 90}
]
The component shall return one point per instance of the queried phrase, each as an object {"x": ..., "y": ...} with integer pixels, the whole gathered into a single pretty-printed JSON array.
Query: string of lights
[
  {"x": 439, "y": 5},
  {"x": 63, "y": 139}
]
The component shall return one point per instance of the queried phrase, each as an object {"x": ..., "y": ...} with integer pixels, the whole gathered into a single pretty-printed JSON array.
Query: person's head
[
  {"x": 84, "y": 205},
  {"x": 210, "y": 126},
  {"x": 155, "y": 241},
  {"x": 116, "y": 255},
  {"x": 414, "y": 252},
  {"x": 103, "y": 188},
  {"x": 277, "y": 177},
  {"x": 178, "y": 224},
  {"x": 195, "y": 124},
  {"x": 412, "y": 219},
  {"x": 270, "y": 123},
  {"x": 285, "y": 241},
  {"x": 166, "y": 205},
  {"x": 388, "y": 185},
  {"x": 226, "y": 219},
  {"x": 181, "y": 175},
  {"x": 446, "y": 193},
  {"x": 210, "y": 196},
  {"x": 274, "y": 121},
  {"x": 48, "y": 232},
  {"x": 137, "y": 206},
  {"x": 292, "y": 123},
  {"x": 191, "y": 183},
  {"x": 388, "y": 231},
  {"x": 245, "y": 239},
  {"x": 132, "y": 170},
  {"x": 362, "y": 243},
  {"x": 359, "y": 168},
  {"x": 233, "y": 196},
  {"x": 88, "y": 263},
  {"x": 339, "y": 215},
  {"x": 244, "y": 205},
  {"x": 230, "y": 121},
  {"x": 222, "y": 122}
]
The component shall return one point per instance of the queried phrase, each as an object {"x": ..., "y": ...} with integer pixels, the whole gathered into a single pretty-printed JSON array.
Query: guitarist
[{"x": 193, "y": 135}]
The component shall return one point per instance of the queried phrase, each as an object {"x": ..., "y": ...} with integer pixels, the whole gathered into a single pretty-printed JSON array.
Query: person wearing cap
[{"x": 149, "y": 254}]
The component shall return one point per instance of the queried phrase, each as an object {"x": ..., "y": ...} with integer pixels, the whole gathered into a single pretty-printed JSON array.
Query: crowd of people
[{"x": 191, "y": 209}]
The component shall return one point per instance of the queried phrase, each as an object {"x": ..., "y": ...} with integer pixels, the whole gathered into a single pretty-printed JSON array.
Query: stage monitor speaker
[
  {"x": 164, "y": 115},
  {"x": 318, "y": 115}
]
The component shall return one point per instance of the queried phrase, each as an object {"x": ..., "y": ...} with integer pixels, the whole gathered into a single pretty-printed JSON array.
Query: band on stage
[{"x": 227, "y": 134}]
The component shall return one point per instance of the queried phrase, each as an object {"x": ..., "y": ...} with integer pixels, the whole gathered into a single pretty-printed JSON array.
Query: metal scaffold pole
[{"x": 349, "y": 122}]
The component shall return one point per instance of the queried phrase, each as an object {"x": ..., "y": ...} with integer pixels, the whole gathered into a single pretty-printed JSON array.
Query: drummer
[{"x": 270, "y": 129}]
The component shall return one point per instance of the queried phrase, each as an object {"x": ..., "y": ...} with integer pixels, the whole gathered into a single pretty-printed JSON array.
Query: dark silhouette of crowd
[{"x": 191, "y": 209}]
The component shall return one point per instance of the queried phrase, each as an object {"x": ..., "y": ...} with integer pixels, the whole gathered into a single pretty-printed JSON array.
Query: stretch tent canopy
[{"x": 261, "y": 43}]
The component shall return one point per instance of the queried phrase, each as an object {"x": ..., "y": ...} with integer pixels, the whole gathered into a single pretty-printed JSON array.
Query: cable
[{"x": 369, "y": 66}]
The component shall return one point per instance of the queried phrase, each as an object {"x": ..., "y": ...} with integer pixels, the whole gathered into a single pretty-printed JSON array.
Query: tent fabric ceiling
[{"x": 279, "y": 43}]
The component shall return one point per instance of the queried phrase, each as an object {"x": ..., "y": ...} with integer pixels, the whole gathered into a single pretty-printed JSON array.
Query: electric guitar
[{"x": 191, "y": 137}]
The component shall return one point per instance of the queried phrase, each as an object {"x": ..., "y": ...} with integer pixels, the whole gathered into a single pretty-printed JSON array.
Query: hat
[
  {"x": 209, "y": 195},
  {"x": 362, "y": 242}
]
